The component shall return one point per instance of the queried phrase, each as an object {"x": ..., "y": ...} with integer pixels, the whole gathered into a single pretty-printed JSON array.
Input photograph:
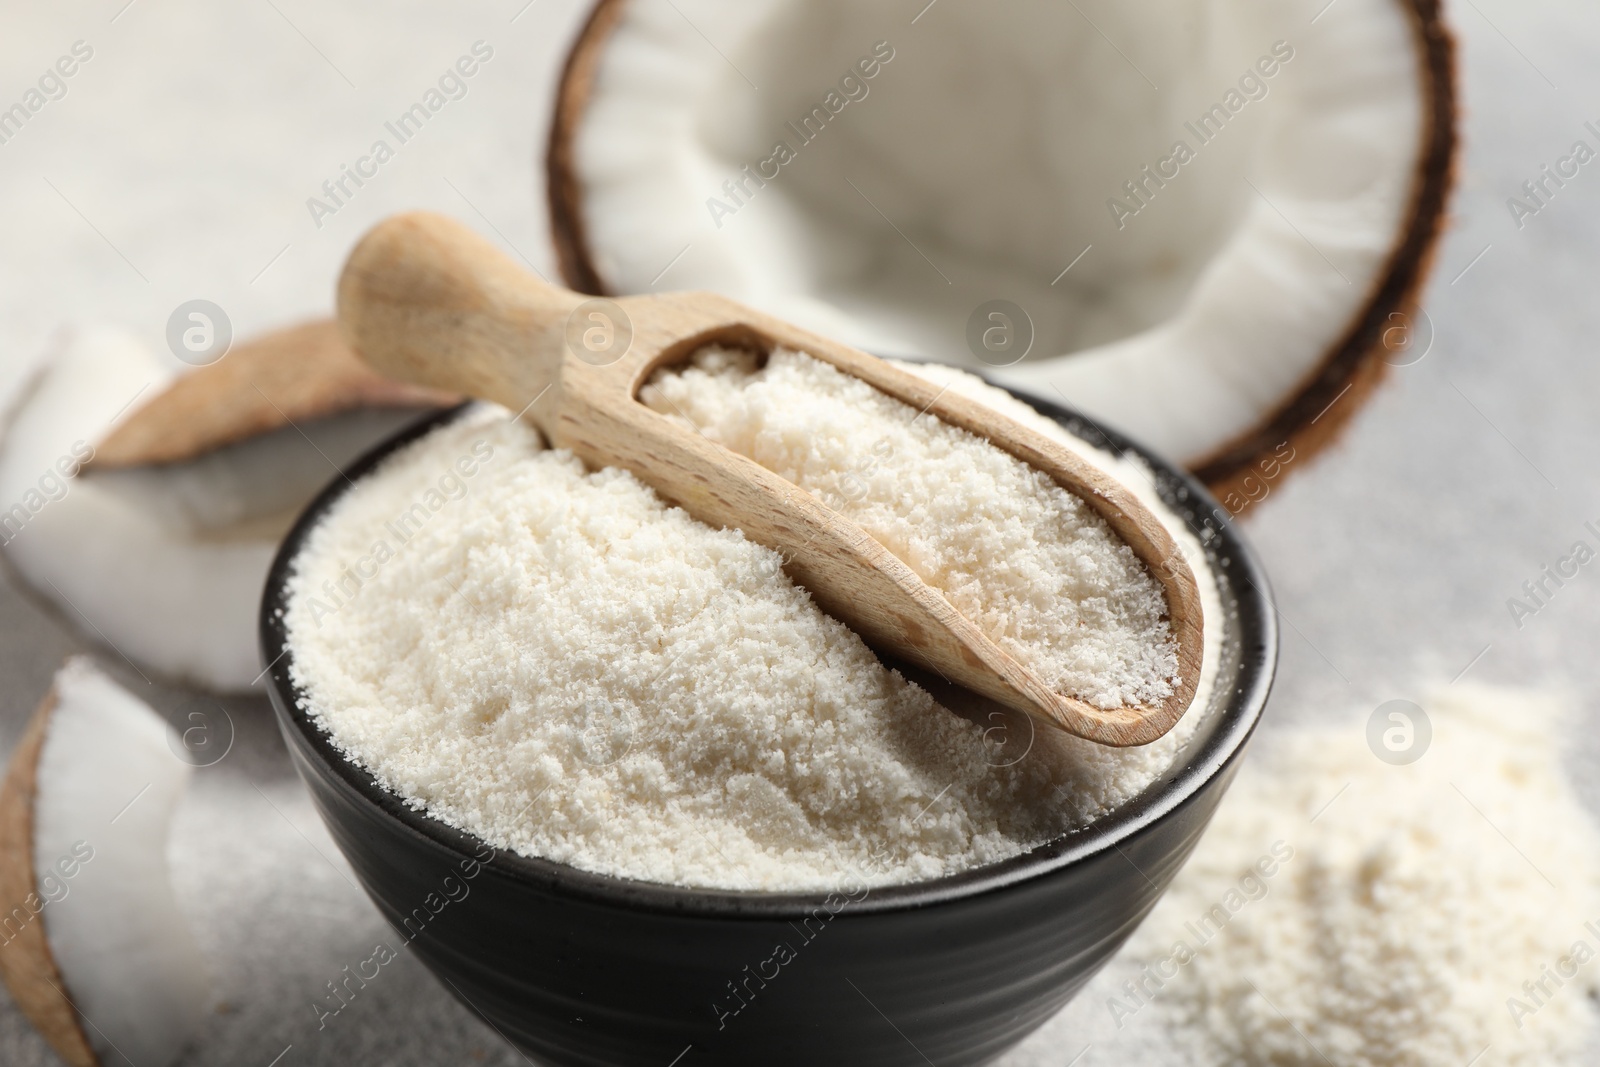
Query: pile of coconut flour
[
  {"x": 557, "y": 661},
  {"x": 1342, "y": 910}
]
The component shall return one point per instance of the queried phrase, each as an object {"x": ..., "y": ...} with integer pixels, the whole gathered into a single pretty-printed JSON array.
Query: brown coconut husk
[{"x": 288, "y": 377}]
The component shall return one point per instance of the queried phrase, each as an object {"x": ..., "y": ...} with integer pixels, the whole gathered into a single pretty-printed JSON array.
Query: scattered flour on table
[
  {"x": 1431, "y": 912},
  {"x": 1029, "y": 562},
  {"x": 555, "y": 660}
]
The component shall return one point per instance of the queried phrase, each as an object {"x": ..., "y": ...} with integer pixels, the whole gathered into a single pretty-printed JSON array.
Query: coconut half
[
  {"x": 1209, "y": 214},
  {"x": 147, "y": 506},
  {"x": 96, "y": 952}
]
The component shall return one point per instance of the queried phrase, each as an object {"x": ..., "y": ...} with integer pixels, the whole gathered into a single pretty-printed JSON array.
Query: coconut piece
[
  {"x": 99, "y": 957},
  {"x": 161, "y": 550},
  {"x": 26, "y": 962},
  {"x": 252, "y": 489},
  {"x": 1234, "y": 315},
  {"x": 283, "y": 379}
]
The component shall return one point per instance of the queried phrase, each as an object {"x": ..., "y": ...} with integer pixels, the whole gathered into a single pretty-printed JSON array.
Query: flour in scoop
[
  {"x": 559, "y": 662},
  {"x": 1043, "y": 575}
]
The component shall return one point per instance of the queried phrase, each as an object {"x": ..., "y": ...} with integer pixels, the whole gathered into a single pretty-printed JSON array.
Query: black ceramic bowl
[{"x": 577, "y": 968}]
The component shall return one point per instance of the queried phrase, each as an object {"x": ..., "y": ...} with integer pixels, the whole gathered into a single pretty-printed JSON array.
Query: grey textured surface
[{"x": 178, "y": 166}]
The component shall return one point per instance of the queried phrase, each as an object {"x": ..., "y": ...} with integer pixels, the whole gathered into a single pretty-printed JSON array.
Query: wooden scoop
[{"x": 427, "y": 301}]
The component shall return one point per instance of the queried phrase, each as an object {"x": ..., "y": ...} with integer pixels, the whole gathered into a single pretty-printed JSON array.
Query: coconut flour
[
  {"x": 1343, "y": 910},
  {"x": 557, "y": 661},
  {"x": 1027, "y": 561}
]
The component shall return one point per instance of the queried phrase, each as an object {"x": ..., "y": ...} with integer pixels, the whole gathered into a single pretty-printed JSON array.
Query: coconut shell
[
  {"x": 1327, "y": 399},
  {"x": 26, "y": 962},
  {"x": 284, "y": 378},
  {"x": 1243, "y": 471},
  {"x": 568, "y": 229}
]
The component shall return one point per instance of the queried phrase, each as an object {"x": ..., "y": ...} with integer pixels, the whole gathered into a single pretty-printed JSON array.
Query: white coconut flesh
[
  {"x": 256, "y": 488},
  {"x": 165, "y": 565},
  {"x": 982, "y": 161},
  {"x": 108, "y": 782}
]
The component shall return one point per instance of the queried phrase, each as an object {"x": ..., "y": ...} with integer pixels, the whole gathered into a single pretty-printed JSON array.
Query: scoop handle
[{"x": 424, "y": 299}]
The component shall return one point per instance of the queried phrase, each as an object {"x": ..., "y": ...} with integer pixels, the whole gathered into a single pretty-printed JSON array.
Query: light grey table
[{"x": 193, "y": 137}]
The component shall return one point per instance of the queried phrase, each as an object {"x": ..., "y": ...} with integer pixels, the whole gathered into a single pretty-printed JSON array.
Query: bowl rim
[{"x": 1221, "y": 742}]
